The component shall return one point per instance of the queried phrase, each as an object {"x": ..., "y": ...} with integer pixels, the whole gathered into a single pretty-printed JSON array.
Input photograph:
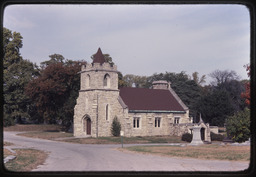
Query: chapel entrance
[{"x": 87, "y": 125}]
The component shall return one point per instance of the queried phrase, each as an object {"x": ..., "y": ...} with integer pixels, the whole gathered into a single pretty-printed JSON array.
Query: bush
[
  {"x": 187, "y": 137},
  {"x": 238, "y": 126},
  {"x": 116, "y": 127},
  {"x": 216, "y": 137},
  {"x": 8, "y": 120}
]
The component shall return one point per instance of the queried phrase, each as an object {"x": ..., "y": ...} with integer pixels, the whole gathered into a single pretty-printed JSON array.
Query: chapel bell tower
[
  {"x": 98, "y": 97},
  {"x": 99, "y": 75}
]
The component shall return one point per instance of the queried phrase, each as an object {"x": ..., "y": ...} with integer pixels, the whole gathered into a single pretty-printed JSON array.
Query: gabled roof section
[
  {"x": 150, "y": 100},
  {"x": 99, "y": 57}
]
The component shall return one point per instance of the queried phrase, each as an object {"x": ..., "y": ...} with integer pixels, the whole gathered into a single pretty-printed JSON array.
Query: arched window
[
  {"x": 106, "y": 81},
  {"x": 107, "y": 114},
  {"x": 87, "y": 83}
]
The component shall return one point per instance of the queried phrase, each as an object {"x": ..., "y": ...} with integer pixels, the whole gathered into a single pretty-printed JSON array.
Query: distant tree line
[
  {"x": 215, "y": 102},
  {"x": 47, "y": 93},
  {"x": 41, "y": 94}
]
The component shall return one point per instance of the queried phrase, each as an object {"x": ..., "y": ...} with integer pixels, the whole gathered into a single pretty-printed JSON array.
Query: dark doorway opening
[{"x": 202, "y": 133}]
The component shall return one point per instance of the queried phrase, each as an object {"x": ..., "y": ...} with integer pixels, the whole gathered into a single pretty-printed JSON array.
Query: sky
[{"x": 141, "y": 39}]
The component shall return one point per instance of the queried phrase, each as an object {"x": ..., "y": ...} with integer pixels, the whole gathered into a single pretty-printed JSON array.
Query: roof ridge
[{"x": 178, "y": 99}]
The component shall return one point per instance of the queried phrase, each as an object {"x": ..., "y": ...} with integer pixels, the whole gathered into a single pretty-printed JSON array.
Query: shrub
[
  {"x": 187, "y": 137},
  {"x": 8, "y": 120},
  {"x": 116, "y": 127},
  {"x": 238, "y": 126},
  {"x": 216, "y": 137}
]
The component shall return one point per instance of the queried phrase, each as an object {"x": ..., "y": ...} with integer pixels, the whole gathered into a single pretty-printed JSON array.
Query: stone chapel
[{"x": 141, "y": 111}]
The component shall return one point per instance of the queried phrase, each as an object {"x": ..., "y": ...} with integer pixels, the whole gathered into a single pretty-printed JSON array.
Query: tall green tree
[
  {"x": 17, "y": 74},
  {"x": 12, "y": 43},
  {"x": 56, "y": 89},
  {"x": 215, "y": 107},
  {"x": 222, "y": 98}
]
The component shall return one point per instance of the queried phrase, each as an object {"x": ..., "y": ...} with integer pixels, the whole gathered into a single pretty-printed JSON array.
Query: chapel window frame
[
  {"x": 176, "y": 120},
  {"x": 107, "y": 112},
  {"x": 136, "y": 122},
  {"x": 106, "y": 81},
  {"x": 157, "y": 121},
  {"x": 87, "y": 81}
]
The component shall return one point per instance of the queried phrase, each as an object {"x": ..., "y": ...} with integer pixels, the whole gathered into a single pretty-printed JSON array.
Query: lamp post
[{"x": 122, "y": 134}]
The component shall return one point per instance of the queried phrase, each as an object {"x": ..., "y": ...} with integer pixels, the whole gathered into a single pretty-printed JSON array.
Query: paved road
[{"x": 83, "y": 157}]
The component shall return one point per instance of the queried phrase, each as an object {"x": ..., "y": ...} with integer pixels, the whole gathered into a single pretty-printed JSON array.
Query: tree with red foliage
[
  {"x": 56, "y": 89},
  {"x": 247, "y": 92}
]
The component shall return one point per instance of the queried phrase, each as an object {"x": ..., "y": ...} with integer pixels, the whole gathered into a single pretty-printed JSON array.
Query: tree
[
  {"x": 139, "y": 81},
  {"x": 56, "y": 89},
  {"x": 215, "y": 107},
  {"x": 220, "y": 77},
  {"x": 12, "y": 43},
  {"x": 238, "y": 125},
  {"x": 246, "y": 93},
  {"x": 54, "y": 58},
  {"x": 17, "y": 73},
  {"x": 115, "y": 127},
  {"x": 198, "y": 81},
  {"x": 234, "y": 88},
  {"x": 121, "y": 81},
  {"x": 222, "y": 98}
]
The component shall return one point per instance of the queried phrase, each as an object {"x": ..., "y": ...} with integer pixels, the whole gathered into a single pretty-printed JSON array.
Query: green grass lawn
[{"x": 207, "y": 151}]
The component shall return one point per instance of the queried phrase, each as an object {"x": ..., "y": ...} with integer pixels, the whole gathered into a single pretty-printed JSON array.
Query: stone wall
[
  {"x": 214, "y": 129},
  {"x": 148, "y": 126}
]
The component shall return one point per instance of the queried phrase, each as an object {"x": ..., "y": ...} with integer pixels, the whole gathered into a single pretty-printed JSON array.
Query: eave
[{"x": 157, "y": 111}]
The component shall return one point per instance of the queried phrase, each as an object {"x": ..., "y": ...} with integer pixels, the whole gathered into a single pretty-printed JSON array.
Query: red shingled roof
[
  {"x": 99, "y": 57},
  {"x": 149, "y": 99}
]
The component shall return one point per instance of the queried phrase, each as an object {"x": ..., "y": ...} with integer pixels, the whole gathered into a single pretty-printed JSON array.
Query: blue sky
[{"x": 141, "y": 39}]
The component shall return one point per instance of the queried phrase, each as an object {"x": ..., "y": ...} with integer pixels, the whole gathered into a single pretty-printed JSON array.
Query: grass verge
[
  {"x": 209, "y": 151},
  {"x": 33, "y": 127},
  {"x": 46, "y": 135},
  {"x": 26, "y": 159},
  {"x": 53, "y": 132},
  {"x": 126, "y": 140}
]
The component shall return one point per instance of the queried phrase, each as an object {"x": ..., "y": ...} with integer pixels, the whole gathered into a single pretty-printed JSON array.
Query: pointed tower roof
[{"x": 99, "y": 57}]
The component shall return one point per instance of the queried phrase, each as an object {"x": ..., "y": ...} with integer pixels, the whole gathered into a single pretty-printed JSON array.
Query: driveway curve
[{"x": 88, "y": 157}]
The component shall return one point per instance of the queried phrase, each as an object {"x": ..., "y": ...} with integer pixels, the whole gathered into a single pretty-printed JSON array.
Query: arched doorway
[{"x": 87, "y": 125}]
